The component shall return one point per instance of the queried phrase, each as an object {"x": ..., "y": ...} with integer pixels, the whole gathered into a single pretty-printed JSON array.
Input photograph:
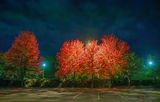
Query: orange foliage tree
[
  {"x": 89, "y": 58},
  {"x": 89, "y": 64},
  {"x": 69, "y": 58},
  {"x": 102, "y": 60},
  {"x": 111, "y": 56},
  {"x": 24, "y": 54}
]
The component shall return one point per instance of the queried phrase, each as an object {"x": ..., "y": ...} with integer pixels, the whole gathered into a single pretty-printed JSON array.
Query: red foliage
[
  {"x": 111, "y": 56},
  {"x": 102, "y": 60},
  {"x": 89, "y": 58},
  {"x": 24, "y": 52},
  {"x": 69, "y": 57}
]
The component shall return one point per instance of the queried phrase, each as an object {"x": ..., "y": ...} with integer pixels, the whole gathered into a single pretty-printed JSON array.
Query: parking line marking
[
  {"x": 77, "y": 95},
  {"x": 99, "y": 97}
]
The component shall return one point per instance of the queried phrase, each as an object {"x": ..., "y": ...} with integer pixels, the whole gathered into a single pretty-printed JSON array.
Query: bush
[
  {"x": 30, "y": 83},
  {"x": 44, "y": 82},
  {"x": 41, "y": 83}
]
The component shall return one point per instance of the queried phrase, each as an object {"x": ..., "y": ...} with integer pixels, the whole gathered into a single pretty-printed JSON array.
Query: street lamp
[
  {"x": 43, "y": 67},
  {"x": 150, "y": 63},
  {"x": 44, "y": 64}
]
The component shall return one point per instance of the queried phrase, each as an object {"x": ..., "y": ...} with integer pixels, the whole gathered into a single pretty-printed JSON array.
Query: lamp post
[
  {"x": 43, "y": 67},
  {"x": 151, "y": 64}
]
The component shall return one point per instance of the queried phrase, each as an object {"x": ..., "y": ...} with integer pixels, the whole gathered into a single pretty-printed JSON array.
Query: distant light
[
  {"x": 44, "y": 65},
  {"x": 150, "y": 63},
  {"x": 88, "y": 43}
]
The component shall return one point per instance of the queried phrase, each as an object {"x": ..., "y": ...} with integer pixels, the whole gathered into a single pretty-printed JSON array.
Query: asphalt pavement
[{"x": 79, "y": 95}]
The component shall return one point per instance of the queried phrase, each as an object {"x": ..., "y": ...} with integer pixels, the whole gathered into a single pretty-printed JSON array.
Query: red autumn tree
[
  {"x": 111, "y": 56},
  {"x": 102, "y": 61},
  {"x": 69, "y": 58},
  {"x": 89, "y": 58},
  {"x": 89, "y": 64},
  {"x": 24, "y": 54}
]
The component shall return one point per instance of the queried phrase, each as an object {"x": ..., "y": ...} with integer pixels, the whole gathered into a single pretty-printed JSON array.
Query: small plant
[
  {"x": 44, "y": 83},
  {"x": 30, "y": 82}
]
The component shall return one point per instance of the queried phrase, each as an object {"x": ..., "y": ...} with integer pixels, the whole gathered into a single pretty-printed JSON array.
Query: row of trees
[
  {"x": 108, "y": 60},
  {"x": 105, "y": 60},
  {"x": 101, "y": 60}
]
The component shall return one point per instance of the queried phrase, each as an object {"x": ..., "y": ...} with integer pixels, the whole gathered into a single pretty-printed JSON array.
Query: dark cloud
[{"x": 54, "y": 21}]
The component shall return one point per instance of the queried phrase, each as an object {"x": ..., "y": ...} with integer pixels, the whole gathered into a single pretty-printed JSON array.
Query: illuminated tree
[
  {"x": 24, "y": 54},
  {"x": 102, "y": 61},
  {"x": 111, "y": 56},
  {"x": 89, "y": 64},
  {"x": 69, "y": 58}
]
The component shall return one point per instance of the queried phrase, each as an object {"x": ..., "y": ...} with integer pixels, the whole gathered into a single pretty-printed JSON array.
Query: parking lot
[{"x": 79, "y": 95}]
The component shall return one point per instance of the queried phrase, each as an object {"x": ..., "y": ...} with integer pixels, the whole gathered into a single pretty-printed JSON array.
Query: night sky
[{"x": 55, "y": 21}]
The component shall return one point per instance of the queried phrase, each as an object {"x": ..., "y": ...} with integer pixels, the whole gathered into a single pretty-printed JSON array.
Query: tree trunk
[
  {"x": 109, "y": 83},
  {"x": 104, "y": 83},
  {"x": 74, "y": 81},
  {"x": 92, "y": 81},
  {"x": 129, "y": 81},
  {"x": 22, "y": 75}
]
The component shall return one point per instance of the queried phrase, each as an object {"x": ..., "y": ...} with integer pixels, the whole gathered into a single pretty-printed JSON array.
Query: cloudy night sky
[{"x": 55, "y": 21}]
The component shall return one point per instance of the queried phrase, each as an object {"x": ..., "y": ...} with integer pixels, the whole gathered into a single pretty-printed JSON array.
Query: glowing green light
[
  {"x": 150, "y": 62},
  {"x": 44, "y": 65}
]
